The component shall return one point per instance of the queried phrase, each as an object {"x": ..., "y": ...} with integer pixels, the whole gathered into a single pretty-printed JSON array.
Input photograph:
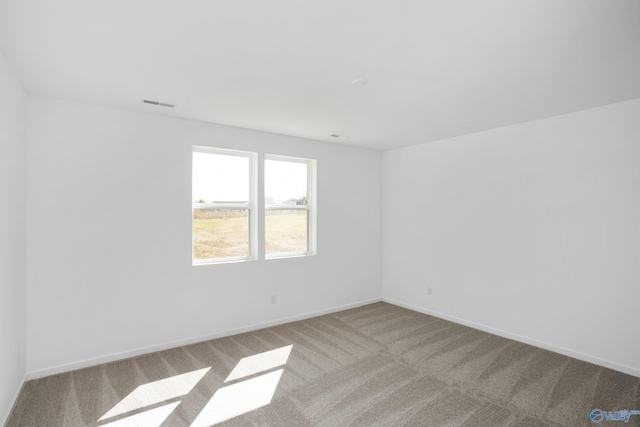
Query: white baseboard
[
  {"x": 40, "y": 373},
  {"x": 14, "y": 400},
  {"x": 561, "y": 350}
]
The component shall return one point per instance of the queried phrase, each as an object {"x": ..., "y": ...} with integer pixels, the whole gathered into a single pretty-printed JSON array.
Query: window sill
[
  {"x": 292, "y": 255},
  {"x": 221, "y": 261}
]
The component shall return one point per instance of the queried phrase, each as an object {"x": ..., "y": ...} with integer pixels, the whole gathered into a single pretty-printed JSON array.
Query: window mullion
[{"x": 259, "y": 208}]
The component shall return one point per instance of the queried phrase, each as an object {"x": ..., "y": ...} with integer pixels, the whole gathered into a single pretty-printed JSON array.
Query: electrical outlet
[
  {"x": 429, "y": 291},
  {"x": 273, "y": 299}
]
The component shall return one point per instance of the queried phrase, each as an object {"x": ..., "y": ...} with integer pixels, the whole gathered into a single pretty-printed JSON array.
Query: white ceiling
[{"x": 435, "y": 68}]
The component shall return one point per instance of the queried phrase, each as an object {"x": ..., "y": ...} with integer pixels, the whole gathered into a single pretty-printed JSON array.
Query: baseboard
[
  {"x": 556, "y": 349},
  {"x": 40, "y": 373},
  {"x": 15, "y": 399}
]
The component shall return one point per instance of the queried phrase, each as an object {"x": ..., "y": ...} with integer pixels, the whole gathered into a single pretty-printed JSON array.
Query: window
[
  {"x": 224, "y": 201},
  {"x": 289, "y": 208},
  {"x": 225, "y": 211}
]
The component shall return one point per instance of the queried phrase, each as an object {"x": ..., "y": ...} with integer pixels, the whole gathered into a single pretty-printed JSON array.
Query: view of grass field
[
  {"x": 220, "y": 233},
  {"x": 285, "y": 231},
  {"x": 224, "y": 233}
]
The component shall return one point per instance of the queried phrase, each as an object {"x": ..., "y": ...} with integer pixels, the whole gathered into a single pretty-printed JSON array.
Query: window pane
[
  {"x": 220, "y": 178},
  {"x": 285, "y": 183},
  {"x": 220, "y": 233},
  {"x": 285, "y": 231}
]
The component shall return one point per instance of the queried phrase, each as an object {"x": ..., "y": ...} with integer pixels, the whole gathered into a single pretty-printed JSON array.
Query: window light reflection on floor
[
  {"x": 240, "y": 397},
  {"x": 247, "y": 395},
  {"x": 150, "y": 418},
  {"x": 259, "y": 363},
  {"x": 157, "y": 392}
]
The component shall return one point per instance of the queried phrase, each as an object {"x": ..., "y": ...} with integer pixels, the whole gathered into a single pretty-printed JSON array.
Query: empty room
[{"x": 296, "y": 213}]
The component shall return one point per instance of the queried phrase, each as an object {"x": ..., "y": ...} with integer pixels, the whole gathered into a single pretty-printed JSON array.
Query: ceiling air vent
[{"x": 161, "y": 104}]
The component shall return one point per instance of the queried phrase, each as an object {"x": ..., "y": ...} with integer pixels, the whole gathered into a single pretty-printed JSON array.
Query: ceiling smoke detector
[{"x": 161, "y": 104}]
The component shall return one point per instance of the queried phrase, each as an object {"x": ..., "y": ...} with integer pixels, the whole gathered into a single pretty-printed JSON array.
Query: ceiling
[{"x": 434, "y": 68}]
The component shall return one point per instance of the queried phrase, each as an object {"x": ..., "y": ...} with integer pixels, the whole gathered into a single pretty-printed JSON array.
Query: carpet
[{"x": 376, "y": 365}]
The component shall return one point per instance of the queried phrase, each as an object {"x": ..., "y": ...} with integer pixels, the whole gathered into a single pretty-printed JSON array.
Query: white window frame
[
  {"x": 310, "y": 207},
  {"x": 251, "y": 206}
]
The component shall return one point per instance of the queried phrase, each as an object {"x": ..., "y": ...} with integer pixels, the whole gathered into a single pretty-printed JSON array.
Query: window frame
[
  {"x": 310, "y": 207},
  {"x": 251, "y": 205}
]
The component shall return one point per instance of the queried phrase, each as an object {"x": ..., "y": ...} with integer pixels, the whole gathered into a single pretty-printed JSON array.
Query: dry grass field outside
[
  {"x": 220, "y": 233},
  {"x": 285, "y": 231},
  {"x": 224, "y": 233}
]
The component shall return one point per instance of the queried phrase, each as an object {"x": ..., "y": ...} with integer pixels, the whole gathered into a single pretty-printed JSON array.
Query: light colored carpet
[{"x": 377, "y": 365}]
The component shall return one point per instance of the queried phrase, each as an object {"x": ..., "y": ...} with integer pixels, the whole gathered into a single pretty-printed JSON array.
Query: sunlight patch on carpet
[
  {"x": 157, "y": 392},
  {"x": 238, "y": 399}
]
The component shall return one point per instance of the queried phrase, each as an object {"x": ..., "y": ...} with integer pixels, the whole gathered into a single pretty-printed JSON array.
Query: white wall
[
  {"x": 531, "y": 231},
  {"x": 109, "y": 236},
  {"x": 12, "y": 237}
]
